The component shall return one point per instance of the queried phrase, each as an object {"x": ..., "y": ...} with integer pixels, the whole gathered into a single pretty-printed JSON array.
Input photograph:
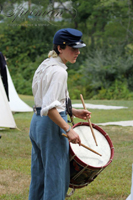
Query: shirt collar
[{"x": 59, "y": 61}]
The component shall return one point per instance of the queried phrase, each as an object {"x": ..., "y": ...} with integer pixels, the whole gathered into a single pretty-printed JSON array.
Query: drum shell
[{"x": 82, "y": 174}]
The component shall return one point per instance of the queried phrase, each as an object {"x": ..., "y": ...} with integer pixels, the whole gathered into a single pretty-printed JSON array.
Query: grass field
[{"x": 114, "y": 183}]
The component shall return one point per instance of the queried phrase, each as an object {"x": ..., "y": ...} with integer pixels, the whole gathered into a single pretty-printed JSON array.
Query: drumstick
[
  {"x": 84, "y": 146},
  {"x": 89, "y": 121}
]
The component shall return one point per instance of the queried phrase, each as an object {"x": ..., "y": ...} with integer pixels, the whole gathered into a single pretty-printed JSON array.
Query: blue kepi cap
[{"x": 70, "y": 37}]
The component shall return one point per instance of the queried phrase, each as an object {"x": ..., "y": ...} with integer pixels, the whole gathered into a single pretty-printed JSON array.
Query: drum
[{"x": 85, "y": 165}]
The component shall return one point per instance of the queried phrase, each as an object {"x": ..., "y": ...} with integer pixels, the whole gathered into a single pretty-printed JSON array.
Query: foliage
[
  {"x": 26, "y": 37},
  {"x": 107, "y": 70},
  {"x": 23, "y": 52},
  {"x": 76, "y": 84},
  {"x": 23, "y": 81},
  {"x": 118, "y": 90}
]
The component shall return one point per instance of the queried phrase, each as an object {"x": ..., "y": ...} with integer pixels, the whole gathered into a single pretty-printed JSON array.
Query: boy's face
[{"x": 69, "y": 54}]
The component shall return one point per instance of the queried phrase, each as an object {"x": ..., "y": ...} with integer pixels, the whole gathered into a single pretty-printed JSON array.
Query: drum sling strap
[{"x": 69, "y": 110}]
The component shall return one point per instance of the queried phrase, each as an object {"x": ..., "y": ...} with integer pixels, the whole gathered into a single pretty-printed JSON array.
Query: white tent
[
  {"x": 6, "y": 117},
  {"x": 16, "y": 104},
  {"x": 130, "y": 197}
]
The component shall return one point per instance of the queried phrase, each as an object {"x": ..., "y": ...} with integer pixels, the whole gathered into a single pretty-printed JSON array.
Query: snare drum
[{"x": 85, "y": 165}]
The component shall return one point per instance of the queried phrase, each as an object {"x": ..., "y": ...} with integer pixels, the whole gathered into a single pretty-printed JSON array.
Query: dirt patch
[{"x": 13, "y": 182}]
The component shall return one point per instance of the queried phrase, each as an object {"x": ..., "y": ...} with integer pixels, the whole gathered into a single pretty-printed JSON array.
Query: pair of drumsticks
[{"x": 90, "y": 128}]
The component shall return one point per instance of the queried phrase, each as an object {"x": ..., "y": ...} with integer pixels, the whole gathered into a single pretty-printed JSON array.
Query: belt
[{"x": 37, "y": 110}]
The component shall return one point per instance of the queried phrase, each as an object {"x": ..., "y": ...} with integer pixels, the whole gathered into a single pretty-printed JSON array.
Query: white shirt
[{"x": 49, "y": 85}]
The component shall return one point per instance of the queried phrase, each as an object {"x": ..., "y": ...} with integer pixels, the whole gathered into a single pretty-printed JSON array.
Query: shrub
[
  {"x": 105, "y": 68},
  {"x": 118, "y": 90}
]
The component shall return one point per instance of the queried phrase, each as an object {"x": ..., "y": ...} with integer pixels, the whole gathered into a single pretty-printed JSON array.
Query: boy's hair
[{"x": 62, "y": 46}]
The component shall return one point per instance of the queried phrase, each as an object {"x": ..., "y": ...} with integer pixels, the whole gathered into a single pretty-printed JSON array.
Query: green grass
[{"x": 114, "y": 183}]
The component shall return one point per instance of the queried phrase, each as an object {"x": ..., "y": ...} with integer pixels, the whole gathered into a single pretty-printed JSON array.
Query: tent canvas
[
  {"x": 16, "y": 104},
  {"x": 6, "y": 117}
]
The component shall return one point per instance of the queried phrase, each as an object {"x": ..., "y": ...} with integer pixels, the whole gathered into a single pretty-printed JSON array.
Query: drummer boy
[{"x": 50, "y": 173}]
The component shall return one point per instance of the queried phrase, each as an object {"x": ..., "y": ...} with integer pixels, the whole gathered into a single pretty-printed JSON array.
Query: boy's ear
[{"x": 59, "y": 48}]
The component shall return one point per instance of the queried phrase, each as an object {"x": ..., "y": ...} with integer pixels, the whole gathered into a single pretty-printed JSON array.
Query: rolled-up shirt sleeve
[{"x": 56, "y": 91}]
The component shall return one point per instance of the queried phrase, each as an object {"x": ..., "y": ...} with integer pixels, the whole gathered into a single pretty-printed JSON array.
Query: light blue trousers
[{"x": 50, "y": 170}]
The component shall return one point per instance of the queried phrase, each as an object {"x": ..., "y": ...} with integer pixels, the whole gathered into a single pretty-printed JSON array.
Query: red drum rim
[{"x": 105, "y": 135}]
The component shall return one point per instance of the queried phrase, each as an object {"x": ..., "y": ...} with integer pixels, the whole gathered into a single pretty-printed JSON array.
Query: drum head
[{"x": 87, "y": 156}]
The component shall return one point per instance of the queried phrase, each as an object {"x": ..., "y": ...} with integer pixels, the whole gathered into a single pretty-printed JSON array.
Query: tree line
[{"x": 104, "y": 68}]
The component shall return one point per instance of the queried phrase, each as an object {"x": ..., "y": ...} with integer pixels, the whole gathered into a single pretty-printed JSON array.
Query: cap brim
[{"x": 78, "y": 45}]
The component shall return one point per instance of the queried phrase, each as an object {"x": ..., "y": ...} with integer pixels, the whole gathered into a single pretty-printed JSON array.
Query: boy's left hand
[{"x": 82, "y": 114}]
